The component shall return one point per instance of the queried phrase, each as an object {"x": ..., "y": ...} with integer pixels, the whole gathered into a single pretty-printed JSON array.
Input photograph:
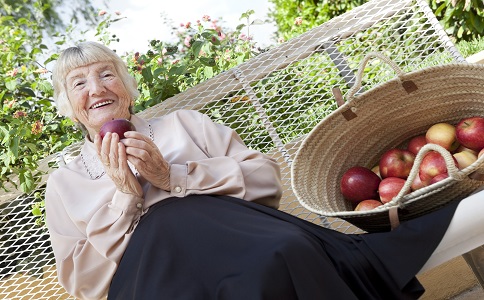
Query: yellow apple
[
  {"x": 376, "y": 170},
  {"x": 464, "y": 159},
  {"x": 443, "y": 134},
  {"x": 462, "y": 148}
]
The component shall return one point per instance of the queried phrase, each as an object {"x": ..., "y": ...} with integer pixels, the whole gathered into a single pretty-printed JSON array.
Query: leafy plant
[
  {"x": 461, "y": 19},
  {"x": 201, "y": 51},
  {"x": 30, "y": 129}
]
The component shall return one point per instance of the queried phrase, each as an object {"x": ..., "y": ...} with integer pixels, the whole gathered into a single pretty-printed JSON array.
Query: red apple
[
  {"x": 417, "y": 183},
  {"x": 389, "y": 188},
  {"x": 470, "y": 132},
  {"x": 367, "y": 205},
  {"x": 396, "y": 163},
  {"x": 443, "y": 134},
  {"x": 415, "y": 143},
  {"x": 432, "y": 165},
  {"x": 464, "y": 159},
  {"x": 119, "y": 126},
  {"x": 438, "y": 178},
  {"x": 359, "y": 183}
]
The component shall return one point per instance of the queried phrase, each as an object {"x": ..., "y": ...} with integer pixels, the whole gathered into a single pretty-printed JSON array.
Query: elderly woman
[{"x": 181, "y": 209}]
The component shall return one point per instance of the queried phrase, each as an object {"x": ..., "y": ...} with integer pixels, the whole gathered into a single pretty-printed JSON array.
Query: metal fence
[{"x": 272, "y": 101}]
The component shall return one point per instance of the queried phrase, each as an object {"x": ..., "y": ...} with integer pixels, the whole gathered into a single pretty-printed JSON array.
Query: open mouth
[{"x": 101, "y": 104}]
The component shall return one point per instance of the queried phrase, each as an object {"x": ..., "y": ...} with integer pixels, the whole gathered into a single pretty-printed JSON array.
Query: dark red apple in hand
[
  {"x": 389, "y": 188},
  {"x": 396, "y": 163},
  {"x": 470, "y": 132},
  {"x": 367, "y": 205},
  {"x": 119, "y": 126},
  {"x": 359, "y": 183}
]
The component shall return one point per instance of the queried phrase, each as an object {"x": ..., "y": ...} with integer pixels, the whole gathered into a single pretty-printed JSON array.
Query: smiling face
[{"x": 97, "y": 94}]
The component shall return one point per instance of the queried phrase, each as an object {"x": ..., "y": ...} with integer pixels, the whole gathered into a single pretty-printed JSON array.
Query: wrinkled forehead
[
  {"x": 93, "y": 69},
  {"x": 75, "y": 58}
]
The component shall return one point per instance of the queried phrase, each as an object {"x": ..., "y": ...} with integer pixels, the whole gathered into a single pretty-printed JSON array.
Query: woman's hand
[
  {"x": 147, "y": 158},
  {"x": 112, "y": 154}
]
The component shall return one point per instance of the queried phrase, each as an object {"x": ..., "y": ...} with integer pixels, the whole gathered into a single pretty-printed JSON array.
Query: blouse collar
[{"x": 90, "y": 161}]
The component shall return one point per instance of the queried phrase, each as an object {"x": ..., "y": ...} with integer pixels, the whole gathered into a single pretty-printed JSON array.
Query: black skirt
[{"x": 217, "y": 247}]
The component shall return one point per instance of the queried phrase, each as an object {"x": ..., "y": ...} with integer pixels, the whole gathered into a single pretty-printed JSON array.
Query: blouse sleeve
[
  {"x": 86, "y": 262},
  {"x": 231, "y": 168}
]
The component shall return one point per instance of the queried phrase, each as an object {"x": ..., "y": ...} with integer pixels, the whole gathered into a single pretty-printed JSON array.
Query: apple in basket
[
  {"x": 389, "y": 188},
  {"x": 470, "y": 132},
  {"x": 438, "y": 178},
  {"x": 416, "y": 143},
  {"x": 396, "y": 163},
  {"x": 119, "y": 126},
  {"x": 418, "y": 183},
  {"x": 443, "y": 134},
  {"x": 359, "y": 183},
  {"x": 432, "y": 165},
  {"x": 464, "y": 159},
  {"x": 368, "y": 204}
]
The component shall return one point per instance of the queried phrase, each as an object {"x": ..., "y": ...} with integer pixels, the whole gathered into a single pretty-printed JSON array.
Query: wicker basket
[{"x": 364, "y": 127}]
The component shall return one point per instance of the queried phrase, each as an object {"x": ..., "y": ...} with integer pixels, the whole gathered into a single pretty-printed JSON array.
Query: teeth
[{"x": 101, "y": 104}]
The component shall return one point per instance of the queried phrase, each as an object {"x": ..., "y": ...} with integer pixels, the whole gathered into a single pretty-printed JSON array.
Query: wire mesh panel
[{"x": 272, "y": 101}]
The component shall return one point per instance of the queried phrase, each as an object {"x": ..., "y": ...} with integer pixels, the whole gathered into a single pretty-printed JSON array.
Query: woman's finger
[
  {"x": 113, "y": 151},
  {"x": 105, "y": 149}
]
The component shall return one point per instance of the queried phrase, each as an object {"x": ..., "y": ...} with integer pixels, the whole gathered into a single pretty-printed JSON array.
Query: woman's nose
[{"x": 96, "y": 87}]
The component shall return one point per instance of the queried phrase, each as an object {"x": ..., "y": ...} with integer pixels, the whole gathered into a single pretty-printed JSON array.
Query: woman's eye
[{"x": 78, "y": 84}]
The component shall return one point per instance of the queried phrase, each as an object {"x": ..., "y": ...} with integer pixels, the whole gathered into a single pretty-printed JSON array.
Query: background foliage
[{"x": 462, "y": 19}]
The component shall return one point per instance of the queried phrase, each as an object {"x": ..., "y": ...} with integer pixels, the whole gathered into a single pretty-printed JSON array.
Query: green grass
[{"x": 468, "y": 48}]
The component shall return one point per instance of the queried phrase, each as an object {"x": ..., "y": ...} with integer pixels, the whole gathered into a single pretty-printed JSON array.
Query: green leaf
[
  {"x": 14, "y": 146},
  {"x": 180, "y": 70},
  {"x": 11, "y": 85},
  {"x": 208, "y": 71},
  {"x": 26, "y": 181},
  {"x": 36, "y": 211},
  {"x": 28, "y": 91},
  {"x": 196, "y": 47},
  {"x": 207, "y": 35},
  {"x": 158, "y": 72},
  {"x": 45, "y": 86},
  {"x": 53, "y": 57},
  {"x": 208, "y": 61},
  {"x": 147, "y": 75},
  {"x": 240, "y": 27},
  {"x": 177, "y": 70}
]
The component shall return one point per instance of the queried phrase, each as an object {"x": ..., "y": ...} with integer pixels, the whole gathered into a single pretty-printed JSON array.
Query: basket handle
[
  {"x": 408, "y": 85},
  {"x": 452, "y": 169}
]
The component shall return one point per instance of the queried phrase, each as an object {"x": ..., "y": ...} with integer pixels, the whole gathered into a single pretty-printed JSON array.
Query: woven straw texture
[{"x": 386, "y": 117}]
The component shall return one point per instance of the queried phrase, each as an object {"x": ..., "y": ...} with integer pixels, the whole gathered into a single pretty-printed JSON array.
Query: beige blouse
[{"x": 90, "y": 222}]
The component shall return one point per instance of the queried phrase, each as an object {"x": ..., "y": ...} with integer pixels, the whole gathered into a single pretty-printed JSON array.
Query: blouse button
[
  {"x": 139, "y": 205},
  {"x": 177, "y": 189}
]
